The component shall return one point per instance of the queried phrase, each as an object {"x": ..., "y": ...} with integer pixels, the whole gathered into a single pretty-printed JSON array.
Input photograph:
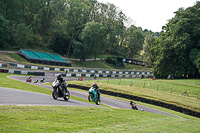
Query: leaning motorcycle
[
  {"x": 60, "y": 90},
  {"x": 29, "y": 80},
  {"x": 92, "y": 93}
]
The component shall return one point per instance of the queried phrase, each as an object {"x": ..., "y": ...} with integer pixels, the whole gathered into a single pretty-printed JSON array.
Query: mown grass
[
  {"x": 177, "y": 87},
  {"x": 84, "y": 119},
  {"x": 88, "y": 119},
  {"x": 10, "y": 83},
  {"x": 164, "y": 96}
]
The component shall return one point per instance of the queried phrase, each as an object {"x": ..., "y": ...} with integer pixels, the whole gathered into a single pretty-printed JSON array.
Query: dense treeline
[
  {"x": 86, "y": 28},
  {"x": 177, "y": 50},
  {"x": 79, "y": 28}
]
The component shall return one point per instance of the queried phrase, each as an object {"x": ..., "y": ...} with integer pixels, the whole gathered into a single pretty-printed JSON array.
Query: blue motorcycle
[{"x": 94, "y": 95}]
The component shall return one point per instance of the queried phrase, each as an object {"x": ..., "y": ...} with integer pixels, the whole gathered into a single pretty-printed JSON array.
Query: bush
[{"x": 111, "y": 61}]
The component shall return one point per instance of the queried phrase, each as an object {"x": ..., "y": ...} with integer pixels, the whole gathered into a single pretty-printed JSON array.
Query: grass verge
[{"x": 87, "y": 119}]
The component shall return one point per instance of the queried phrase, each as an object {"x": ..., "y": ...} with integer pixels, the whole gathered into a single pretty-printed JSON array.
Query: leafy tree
[
  {"x": 77, "y": 15},
  {"x": 4, "y": 31},
  {"x": 44, "y": 23},
  {"x": 80, "y": 50},
  {"x": 149, "y": 53},
  {"x": 134, "y": 41},
  {"x": 93, "y": 36},
  {"x": 178, "y": 45},
  {"x": 59, "y": 42},
  {"x": 23, "y": 36}
]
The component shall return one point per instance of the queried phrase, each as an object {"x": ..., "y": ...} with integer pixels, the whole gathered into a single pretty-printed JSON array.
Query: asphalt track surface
[{"x": 32, "y": 98}]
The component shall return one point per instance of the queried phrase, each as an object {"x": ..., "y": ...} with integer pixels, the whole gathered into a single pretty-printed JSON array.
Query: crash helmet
[
  {"x": 131, "y": 102},
  {"x": 94, "y": 85},
  {"x": 59, "y": 76}
]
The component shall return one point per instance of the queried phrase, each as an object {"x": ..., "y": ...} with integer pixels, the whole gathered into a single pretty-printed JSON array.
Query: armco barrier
[
  {"x": 83, "y": 70},
  {"x": 145, "y": 100},
  {"x": 22, "y": 72}
]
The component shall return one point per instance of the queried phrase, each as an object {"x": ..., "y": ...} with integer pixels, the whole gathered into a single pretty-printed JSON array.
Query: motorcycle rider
[
  {"x": 133, "y": 105},
  {"x": 42, "y": 80},
  {"x": 29, "y": 79},
  {"x": 61, "y": 80},
  {"x": 59, "y": 77},
  {"x": 96, "y": 91}
]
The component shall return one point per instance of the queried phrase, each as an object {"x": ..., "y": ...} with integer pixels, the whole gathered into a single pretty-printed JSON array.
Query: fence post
[
  {"x": 108, "y": 81},
  {"x": 144, "y": 85},
  {"x": 171, "y": 90},
  {"x": 131, "y": 84},
  {"x": 119, "y": 81},
  {"x": 157, "y": 87}
]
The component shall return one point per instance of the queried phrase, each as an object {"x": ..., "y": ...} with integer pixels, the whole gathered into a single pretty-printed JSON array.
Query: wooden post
[
  {"x": 171, "y": 90},
  {"x": 157, "y": 87},
  {"x": 144, "y": 85},
  {"x": 108, "y": 81},
  {"x": 131, "y": 84},
  {"x": 198, "y": 95}
]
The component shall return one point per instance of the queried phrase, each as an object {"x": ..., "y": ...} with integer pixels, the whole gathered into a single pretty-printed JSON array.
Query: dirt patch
[{"x": 6, "y": 57}]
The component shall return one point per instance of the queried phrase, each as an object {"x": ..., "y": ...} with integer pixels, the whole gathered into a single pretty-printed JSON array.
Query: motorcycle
[
  {"x": 133, "y": 105},
  {"x": 60, "y": 90},
  {"x": 29, "y": 80},
  {"x": 92, "y": 93}
]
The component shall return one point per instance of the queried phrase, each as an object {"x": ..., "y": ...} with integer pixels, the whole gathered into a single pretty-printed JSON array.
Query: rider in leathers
[
  {"x": 61, "y": 80},
  {"x": 96, "y": 91}
]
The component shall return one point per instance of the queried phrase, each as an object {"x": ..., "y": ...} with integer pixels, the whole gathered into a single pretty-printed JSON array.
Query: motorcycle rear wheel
[{"x": 90, "y": 97}]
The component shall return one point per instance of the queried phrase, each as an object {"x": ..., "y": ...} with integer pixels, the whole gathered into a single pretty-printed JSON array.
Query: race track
[
  {"x": 20, "y": 97},
  {"x": 115, "y": 103}
]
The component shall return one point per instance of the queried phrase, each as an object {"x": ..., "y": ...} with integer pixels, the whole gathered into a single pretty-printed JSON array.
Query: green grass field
[
  {"x": 178, "y": 87},
  {"x": 86, "y": 119},
  {"x": 163, "y": 94},
  {"x": 25, "y": 119}
]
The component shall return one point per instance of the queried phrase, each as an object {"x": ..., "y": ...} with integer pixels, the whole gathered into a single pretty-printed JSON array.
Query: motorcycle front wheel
[
  {"x": 55, "y": 94},
  {"x": 98, "y": 101}
]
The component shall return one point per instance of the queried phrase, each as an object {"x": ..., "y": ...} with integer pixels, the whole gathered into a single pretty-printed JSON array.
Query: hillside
[{"x": 14, "y": 57}]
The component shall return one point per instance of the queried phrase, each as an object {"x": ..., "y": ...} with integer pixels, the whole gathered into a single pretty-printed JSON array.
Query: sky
[{"x": 150, "y": 14}]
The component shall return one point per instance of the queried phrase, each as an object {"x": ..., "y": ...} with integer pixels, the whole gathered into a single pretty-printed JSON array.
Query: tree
[
  {"x": 77, "y": 15},
  {"x": 93, "y": 36},
  {"x": 134, "y": 41},
  {"x": 59, "y": 42},
  {"x": 178, "y": 45},
  {"x": 21, "y": 35},
  {"x": 4, "y": 31},
  {"x": 149, "y": 54}
]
